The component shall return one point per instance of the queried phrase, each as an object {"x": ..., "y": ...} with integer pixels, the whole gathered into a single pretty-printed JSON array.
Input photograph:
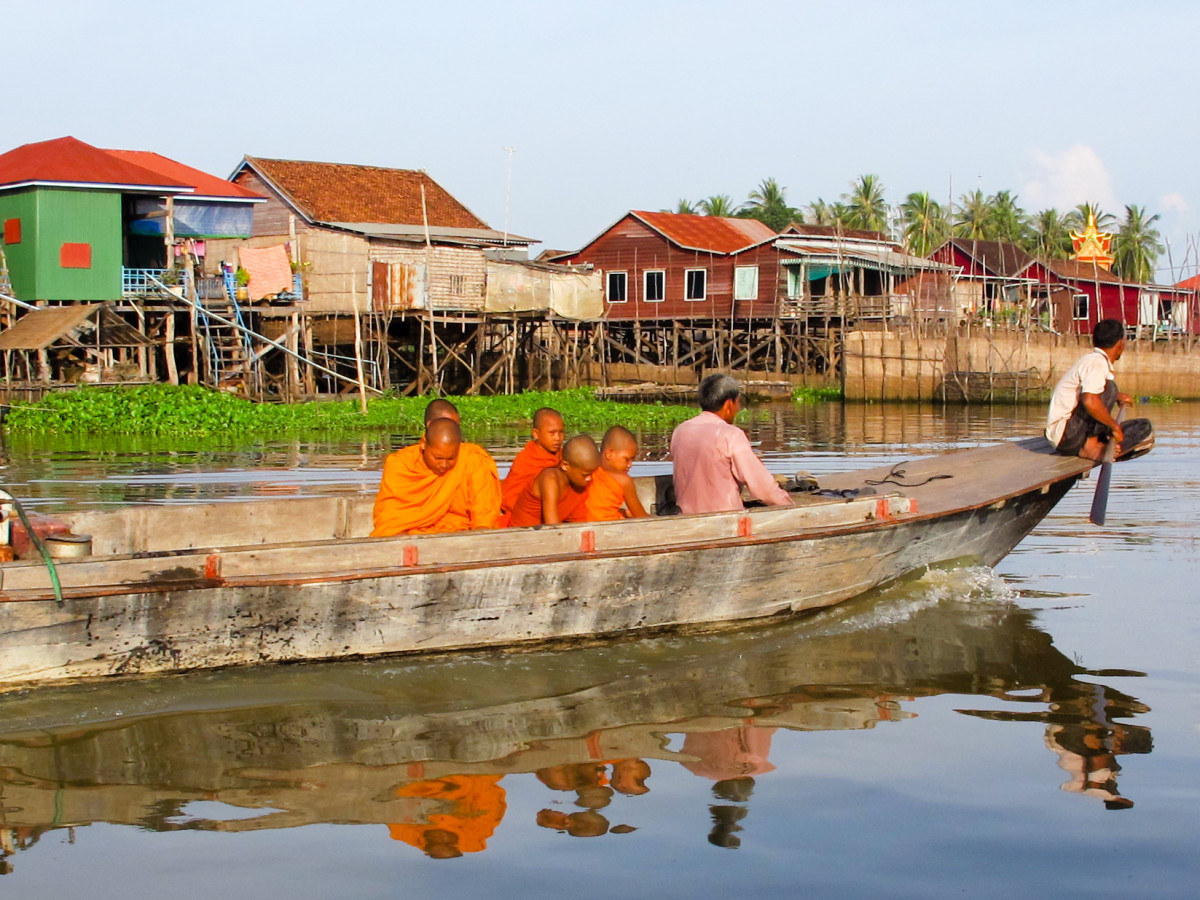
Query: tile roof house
[{"x": 373, "y": 238}]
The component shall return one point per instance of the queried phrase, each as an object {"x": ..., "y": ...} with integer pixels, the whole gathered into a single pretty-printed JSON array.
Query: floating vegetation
[
  {"x": 806, "y": 394},
  {"x": 197, "y": 410}
]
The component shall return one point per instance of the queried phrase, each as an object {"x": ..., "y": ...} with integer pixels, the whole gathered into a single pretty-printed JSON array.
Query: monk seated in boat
[
  {"x": 559, "y": 492},
  {"x": 612, "y": 494},
  {"x": 439, "y": 484},
  {"x": 543, "y": 450}
]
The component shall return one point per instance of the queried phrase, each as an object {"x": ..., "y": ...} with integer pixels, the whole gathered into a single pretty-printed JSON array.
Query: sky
[{"x": 616, "y": 106}]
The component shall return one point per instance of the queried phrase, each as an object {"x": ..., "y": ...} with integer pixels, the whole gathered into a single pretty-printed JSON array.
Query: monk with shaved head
[
  {"x": 440, "y": 408},
  {"x": 612, "y": 494},
  {"x": 542, "y": 452},
  {"x": 559, "y": 491},
  {"x": 438, "y": 484}
]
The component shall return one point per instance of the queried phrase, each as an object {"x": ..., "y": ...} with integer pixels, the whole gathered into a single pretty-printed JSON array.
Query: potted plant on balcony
[{"x": 242, "y": 278}]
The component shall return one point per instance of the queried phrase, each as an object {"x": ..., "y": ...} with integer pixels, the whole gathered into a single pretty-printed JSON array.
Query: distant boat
[{"x": 206, "y": 585}]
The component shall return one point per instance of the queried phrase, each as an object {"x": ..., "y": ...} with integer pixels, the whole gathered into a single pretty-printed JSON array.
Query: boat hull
[{"x": 568, "y": 583}]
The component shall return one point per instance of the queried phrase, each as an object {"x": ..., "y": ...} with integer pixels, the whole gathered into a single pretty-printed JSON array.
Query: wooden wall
[
  {"x": 901, "y": 366},
  {"x": 633, "y": 247}
]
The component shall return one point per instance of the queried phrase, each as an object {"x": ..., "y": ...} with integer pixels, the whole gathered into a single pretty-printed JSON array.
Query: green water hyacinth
[{"x": 197, "y": 410}]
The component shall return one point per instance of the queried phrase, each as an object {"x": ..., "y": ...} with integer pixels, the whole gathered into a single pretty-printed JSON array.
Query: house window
[
  {"x": 12, "y": 231},
  {"x": 618, "y": 285},
  {"x": 795, "y": 277},
  {"x": 75, "y": 256},
  {"x": 745, "y": 283},
  {"x": 654, "y": 285},
  {"x": 458, "y": 285},
  {"x": 1080, "y": 310},
  {"x": 695, "y": 284}
]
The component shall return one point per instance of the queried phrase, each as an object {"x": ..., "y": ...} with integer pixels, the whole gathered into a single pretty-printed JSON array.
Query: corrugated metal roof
[
  {"x": 207, "y": 187},
  {"x": 68, "y": 161},
  {"x": 884, "y": 257},
  {"x": 998, "y": 257},
  {"x": 1190, "y": 284},
  {"x": 436, "y": 232},
  {"x": 711, "y": 234},
  {"x": 337, "y": 192}
]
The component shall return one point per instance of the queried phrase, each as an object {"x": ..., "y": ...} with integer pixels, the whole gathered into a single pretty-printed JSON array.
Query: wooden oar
[{"x": 1100, "y": 500}]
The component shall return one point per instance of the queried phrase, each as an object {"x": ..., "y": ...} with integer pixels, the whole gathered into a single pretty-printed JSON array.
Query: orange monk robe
[
  {"x": 528, "y": 508},
  {"x": 527, "y": 466},
  {"x": 471, "y": 808},
  {"x": 413, "y": 500},
  {"x": 602, "y": 501}
]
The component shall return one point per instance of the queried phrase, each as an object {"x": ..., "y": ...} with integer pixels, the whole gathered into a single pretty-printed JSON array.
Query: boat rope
[
  {"x": 898, "y": 473},
  {"x": 37, "y": 542}
]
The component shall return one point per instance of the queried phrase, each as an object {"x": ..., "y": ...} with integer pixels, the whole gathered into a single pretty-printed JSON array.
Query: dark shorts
[{"x": 1082, "y": 426}]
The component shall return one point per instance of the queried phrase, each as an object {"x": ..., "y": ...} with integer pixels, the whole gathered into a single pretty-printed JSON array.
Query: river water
[{"x": 1029, "y": 731}]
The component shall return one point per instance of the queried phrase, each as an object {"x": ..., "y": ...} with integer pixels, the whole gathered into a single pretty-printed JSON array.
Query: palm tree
[
  {"x": 683, "y": 206},
  {"x": 1006, "y": 220},
  {"x": 768, "y": 204},
  {"x": 971, "y": 216},
  {"x": 718, "y": 205},
  {"x": 1051, "y": 235},
  {"x": 868, "y": 209},
  {"x": 1136, "y": 246},
  {"x": 819, "y": 213},
  {"x": 926, "y": 226}
]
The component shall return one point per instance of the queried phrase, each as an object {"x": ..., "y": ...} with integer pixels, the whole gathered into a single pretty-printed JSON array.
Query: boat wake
[{"x": 964, "y": 587}]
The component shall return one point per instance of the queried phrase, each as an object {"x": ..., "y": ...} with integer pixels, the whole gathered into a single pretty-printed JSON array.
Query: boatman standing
[
  {"x": 439, "y": 484},
  {"x": 712, "y": 457},
  {"x": 1080, "y": 421}
]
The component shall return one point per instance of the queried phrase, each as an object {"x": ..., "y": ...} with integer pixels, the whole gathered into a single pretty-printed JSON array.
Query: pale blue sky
[{"x": 620, "y": 106}]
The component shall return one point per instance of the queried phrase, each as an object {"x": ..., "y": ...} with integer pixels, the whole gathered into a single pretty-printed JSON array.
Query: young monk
[
  {"x": 559, "y": 490},
  {"x": 440, "y": 408},
  {"x": 543, "y": 451},
  {"x": 612, "y": 488},
  {"x": 438, "y": 484}
]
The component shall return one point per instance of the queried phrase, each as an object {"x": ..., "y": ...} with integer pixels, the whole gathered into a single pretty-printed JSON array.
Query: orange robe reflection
[
  {"x": 527, "y": 466},
  {"x": 473, "y": 804},
  {"x": 603, "y": 501},
  {"x": 414, "y": 500}
]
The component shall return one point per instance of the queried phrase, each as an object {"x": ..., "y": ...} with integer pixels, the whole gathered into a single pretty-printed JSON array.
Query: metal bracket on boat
[
  {"x": 409, "y": 555},
  {"x": 587, "y": 541},
  {"x": 745, "y": 528}
]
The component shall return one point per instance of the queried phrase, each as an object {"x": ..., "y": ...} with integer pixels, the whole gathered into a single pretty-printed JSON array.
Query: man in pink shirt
[{"x": 712, "y": 456}]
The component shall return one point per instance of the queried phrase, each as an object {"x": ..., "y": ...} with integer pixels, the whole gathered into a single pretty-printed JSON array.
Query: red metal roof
[
  {"x": 710, "y": 233},
  {"x": 337, "y": 192},
  {"x": 67, "y": 160},
  {"x": 1190, "y": 284},
  {"x": 177, "y": 173}
]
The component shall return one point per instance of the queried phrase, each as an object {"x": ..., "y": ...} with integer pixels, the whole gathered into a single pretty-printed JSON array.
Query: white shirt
[{"x": 1087, "y": 376}]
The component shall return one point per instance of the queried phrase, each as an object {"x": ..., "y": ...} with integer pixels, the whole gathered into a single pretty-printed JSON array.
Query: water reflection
[{"x": 423, "y": 748}]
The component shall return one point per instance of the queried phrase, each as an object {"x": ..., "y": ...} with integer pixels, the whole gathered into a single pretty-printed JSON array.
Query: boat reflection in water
[{"x": 422, "y": 747}]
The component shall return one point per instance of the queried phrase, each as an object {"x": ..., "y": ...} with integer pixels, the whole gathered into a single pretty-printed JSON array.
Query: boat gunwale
[{"x": 381, "y": 572}]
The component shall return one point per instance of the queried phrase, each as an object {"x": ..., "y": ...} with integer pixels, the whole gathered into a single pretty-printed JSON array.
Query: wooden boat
[{"x": 196, "y": 586}]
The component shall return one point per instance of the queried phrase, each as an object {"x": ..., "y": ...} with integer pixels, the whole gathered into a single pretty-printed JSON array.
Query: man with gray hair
[{"x": 712, "y": 457}]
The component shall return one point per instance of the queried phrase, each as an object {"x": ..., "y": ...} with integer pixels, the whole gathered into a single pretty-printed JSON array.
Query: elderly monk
[
  {"x": 558, "y": 492},
  {"x": 543, "y": 451},
  {"x": 438, "y": 484},
  {"x": 612, "y": 494}
]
